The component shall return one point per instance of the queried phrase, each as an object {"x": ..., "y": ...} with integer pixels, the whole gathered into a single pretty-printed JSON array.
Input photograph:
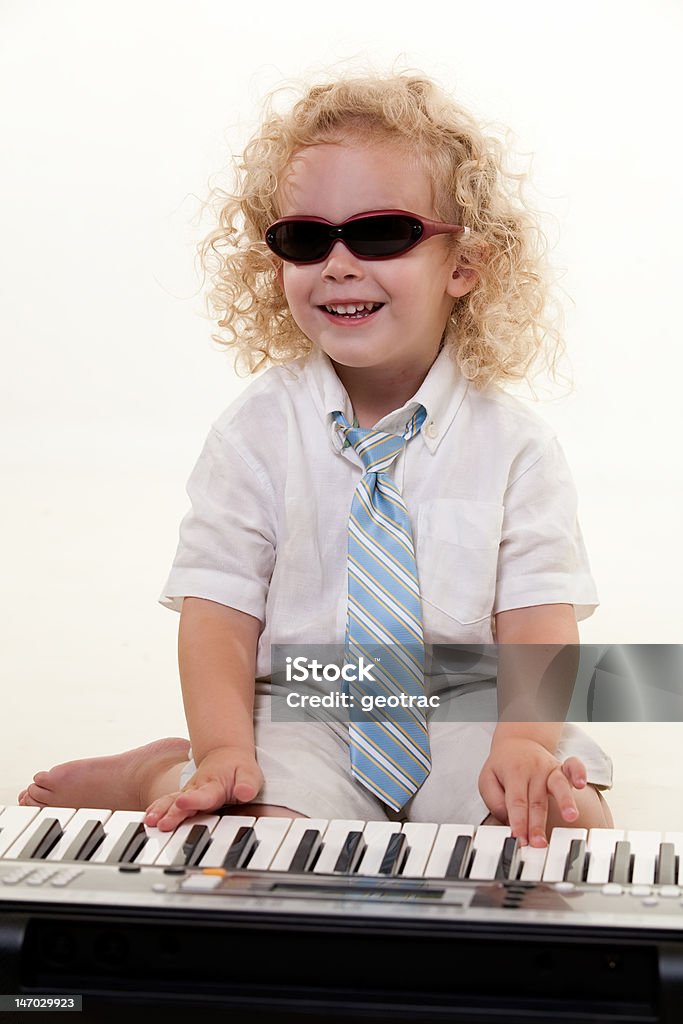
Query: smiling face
[{"x": 373, "y": 314}]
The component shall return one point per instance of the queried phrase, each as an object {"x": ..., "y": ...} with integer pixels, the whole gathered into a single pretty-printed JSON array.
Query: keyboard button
[
  {"x": 622, "y": 863},
  {"x": 290, "y": 845},
  {"x": 307, "y": 851},
  {"x": 223, "y": 833},
  {"x": 394, "y": 855},
  {"x": 241, "y": 850},
  {"x": 600, "y": 849},
  {"x": 533, "y": 860},
  {"x": 270, "y": 833},
  {"x": 376, "y": 835},
  {"x": 576, "y": 859},
  {"x": 339, "y": 846},
  {"x": 665, "y": 866},
  {"x": 509, "y": 863},
  {"x": 36, "y": 827},
  {"x": 420, "y": 836},
  {"x": 350, "y": 855},
  {"x": 558, "y": 851},
  {"x": 644, "y": 850},
  {"x": 487, "y": 847},
  {"x": 444, "y": 847}
]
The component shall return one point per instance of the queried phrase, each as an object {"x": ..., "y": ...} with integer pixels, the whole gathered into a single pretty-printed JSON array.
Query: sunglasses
[{"x": 378, "y": 235}]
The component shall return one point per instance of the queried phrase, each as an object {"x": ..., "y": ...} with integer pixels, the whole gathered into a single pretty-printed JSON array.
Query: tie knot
[{"x": 377, "y": 448}]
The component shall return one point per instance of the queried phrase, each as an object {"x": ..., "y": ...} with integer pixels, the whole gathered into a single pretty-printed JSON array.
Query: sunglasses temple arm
[{"x": 435, "y": 228}]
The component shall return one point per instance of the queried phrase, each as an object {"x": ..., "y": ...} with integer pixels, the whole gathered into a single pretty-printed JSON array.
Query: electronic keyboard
[{"x": 303, "y": 915}]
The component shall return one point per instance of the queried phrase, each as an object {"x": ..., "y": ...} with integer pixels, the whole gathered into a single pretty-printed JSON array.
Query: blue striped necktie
[{"x": 389, "y": 745}]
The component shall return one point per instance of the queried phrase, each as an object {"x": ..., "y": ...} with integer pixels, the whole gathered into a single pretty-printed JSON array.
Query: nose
[{"x": 341, "y": 264}]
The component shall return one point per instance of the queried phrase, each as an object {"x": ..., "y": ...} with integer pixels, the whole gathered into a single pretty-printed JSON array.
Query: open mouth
[{"x": 353, "y": 311}]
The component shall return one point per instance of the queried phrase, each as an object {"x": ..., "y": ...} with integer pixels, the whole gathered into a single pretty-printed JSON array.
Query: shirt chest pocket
[{"x": 457, "y": 556}]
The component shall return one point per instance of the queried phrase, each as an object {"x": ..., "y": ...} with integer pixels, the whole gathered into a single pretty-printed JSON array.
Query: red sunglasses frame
[{"x": 428, "y": 229}]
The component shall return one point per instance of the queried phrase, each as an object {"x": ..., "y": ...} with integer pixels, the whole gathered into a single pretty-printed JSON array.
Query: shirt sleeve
[
  {"x": 226, "y": 550},
  {"x": 542, "y": 556}
]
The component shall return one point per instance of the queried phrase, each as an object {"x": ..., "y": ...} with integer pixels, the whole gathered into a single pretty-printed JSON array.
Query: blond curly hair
[{"x": 497, "y": 331}]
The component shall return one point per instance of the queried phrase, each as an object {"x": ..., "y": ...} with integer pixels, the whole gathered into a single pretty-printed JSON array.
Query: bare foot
[{"x": 119, "y": 781}]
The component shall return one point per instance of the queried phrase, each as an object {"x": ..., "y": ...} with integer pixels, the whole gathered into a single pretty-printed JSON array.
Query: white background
[{"x": 115, "y": 118}]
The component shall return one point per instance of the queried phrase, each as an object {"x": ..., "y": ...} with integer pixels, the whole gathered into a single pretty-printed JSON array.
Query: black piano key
[
  {"x": 86, "y": 842},
  {"x": 458, "y": 862},
  {"x": 194, "y": 847},
  {"x": 350, "y": 854},
  {"x": 43, "y": 839},
  {"x": 241, "y": 848},
  {"x": 665, "y": 872},
  {"x": 306, "y": 851},
  {"x": 394, "y": 855},
  {"x": 132, "y": 840},
  {"x": 508, "y": 862},
  {"x": 620, "y": 870},
  {"x": 576, "y": 859}
]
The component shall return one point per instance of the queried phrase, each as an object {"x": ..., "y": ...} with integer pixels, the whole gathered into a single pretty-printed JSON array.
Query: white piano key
[
  {"x": 600, "y": 849},
  {"x": 157, "y": 841},
  {"x": 62, "y": 814},
  {"x": 333, "y": 841},
  {"x": 558, "y": 849},
  {"x": 644, "y": 850},
  {"x": 533, "y": 860},
  {"x": 13, "y": 822},
  {"x": 669, "y": 837},
  {"x": 443, "y": 848},
  {"x": 161, "y": 847},
  {"x": 487, "y": 847},
  {"x": 420, "y": 836},
  {"x": 270, "y": 833},
  {"x": 376, "y": 834},
  {"x": 76, "y": 823},
  {"x": 288, "y": 847},
  {"x": 115, "y": 827},
  {"x": 222, "y": 836}
]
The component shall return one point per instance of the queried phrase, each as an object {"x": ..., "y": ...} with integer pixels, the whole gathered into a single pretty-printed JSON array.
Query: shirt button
[{"x": 431, "y": 429}]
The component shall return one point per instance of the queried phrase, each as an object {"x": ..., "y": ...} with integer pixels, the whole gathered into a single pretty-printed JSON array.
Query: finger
[
  {"x": 517, "y": 803},
  {"x": 206, "y": 796},
  {"x": 493, "y": 794},
  {"x": 247, "y": 784},
  {"x": 158, "y": 809},
  {"x": 538, "y": 812},
  {"x": 560, "y": 788},
  {"x": 575, "y": 771}
]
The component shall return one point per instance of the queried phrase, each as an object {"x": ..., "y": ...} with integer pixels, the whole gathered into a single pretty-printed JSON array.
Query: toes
[
  {"x": 36, "y": 796},
  {"x": 40, "y": 778},
  {"x": 28, "y": 800}
]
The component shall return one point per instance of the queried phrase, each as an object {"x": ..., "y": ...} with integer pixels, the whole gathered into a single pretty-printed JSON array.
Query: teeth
[{"x": 350, "y": 310}]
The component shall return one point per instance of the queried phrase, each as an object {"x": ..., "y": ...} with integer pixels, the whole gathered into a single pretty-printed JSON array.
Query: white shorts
[{"x": 306, "y": 767}]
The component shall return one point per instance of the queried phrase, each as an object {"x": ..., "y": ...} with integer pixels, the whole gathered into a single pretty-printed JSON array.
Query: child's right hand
[{"x": 227, "y": 775}]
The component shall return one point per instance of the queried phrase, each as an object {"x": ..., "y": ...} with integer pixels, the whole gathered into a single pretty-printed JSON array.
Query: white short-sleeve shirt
[{"x": 486, "y": 484}]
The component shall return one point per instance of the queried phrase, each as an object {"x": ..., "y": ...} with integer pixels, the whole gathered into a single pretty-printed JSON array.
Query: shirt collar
[{"x": 441, "y": 393}]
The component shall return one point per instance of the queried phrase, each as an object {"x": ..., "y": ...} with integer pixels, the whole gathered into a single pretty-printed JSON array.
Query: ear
[{"x": 461, "y": 282}]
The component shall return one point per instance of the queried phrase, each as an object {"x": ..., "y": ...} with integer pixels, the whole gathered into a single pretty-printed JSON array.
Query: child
[{"x": 406, "y": 321}]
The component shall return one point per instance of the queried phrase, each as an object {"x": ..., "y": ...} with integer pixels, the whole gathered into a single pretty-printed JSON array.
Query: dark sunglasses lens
[
  {"x": 387, "y": 235},
  {"x": 300, "y": 241}
]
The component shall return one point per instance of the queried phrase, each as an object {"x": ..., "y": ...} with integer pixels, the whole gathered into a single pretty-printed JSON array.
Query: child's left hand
[{"x": 518, "y": 777}]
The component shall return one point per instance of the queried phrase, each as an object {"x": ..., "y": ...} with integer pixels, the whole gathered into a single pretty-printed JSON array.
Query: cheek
[{"x": 295, "y": 286}]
